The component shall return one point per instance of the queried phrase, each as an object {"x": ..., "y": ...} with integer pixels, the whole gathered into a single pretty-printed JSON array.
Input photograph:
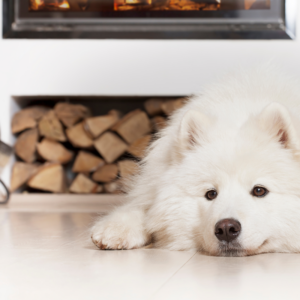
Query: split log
[
  {"x": 97, "y": 125},
  {"x": 83, "y": 185},
  {"x": 139, "y": 147},
  {"x": 110, "y": 146},
  {"x": 54, "y": 152},
  {"x": 154, "y": 106},
  {"x": 25, "y": 146},
  {"x": 118, "y": 114},
  {"x": 70, "y": 114},
  {"x": 133, "y": 126},
  {"x": 86, "y": 162},
  {"x": 49, "y": 177},
  {"x": 168, "y": 107},
  {"x": 113, "y": 187},
  {"x": 127, "y": 168},
  {"x": 50, "y": 127},
  {"x": 78, "y": 137},
  {"x": 21, "y": 172},
  {"x": 106, "y": 173},
  {"x": 27, "y": 118},
  {"x": 158, "y": 123}
]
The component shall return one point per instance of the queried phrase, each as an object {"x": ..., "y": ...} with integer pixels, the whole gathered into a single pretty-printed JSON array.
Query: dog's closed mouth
[
  {"x": 232, "y": 253},
  {"x": 231, "y": 249},
  {"x": 236, "y": 250}
]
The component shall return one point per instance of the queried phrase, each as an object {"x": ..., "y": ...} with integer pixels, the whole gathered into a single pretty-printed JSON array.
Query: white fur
[{"x": 229, "y": 138}]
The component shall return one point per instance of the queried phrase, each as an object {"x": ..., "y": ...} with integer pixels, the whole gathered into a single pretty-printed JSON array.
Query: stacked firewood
[{"x": 65, "y": 149}]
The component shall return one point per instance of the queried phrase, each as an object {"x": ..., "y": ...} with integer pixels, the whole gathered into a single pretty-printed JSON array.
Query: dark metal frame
[
  {"x": 276, "y": 23},
  {"x": 7, "y": 193}
]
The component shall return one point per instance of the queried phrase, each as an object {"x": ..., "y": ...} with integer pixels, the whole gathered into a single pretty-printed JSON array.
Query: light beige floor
[{"x": 50, "y": 256}]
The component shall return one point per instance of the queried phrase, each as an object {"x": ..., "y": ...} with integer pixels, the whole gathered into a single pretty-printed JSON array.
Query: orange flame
[
  {"x": 165, "y": 5},
  {"x": 37, "y": 4},
  {"x": 55, "y": 4},
  {"x": 64, "y": 4}
]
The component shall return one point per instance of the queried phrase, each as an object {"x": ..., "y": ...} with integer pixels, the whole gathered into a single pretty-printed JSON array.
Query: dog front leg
[{"x": 124, "y": 228}]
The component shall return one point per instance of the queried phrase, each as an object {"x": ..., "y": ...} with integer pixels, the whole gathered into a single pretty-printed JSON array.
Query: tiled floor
[{"x": 50, "y": 256}]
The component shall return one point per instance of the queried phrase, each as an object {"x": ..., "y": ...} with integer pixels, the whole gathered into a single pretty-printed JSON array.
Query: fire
[
  {"x": 49, "y": 4},
  {"x": 37, "y": 4},
  {"x": 65, "y": 4},
  {"x": 146, "y": 5},
  {"x": 123, "y": 5}
]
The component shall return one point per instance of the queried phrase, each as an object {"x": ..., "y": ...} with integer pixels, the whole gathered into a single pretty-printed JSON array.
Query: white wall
[{"x": 126, "y": 67}]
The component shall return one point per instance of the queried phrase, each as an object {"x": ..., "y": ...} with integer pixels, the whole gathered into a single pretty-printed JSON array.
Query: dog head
[{"x": 245, "y": 182}]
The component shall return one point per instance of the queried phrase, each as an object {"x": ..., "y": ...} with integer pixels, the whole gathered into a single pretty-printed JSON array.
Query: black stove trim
[{"x": 282, "y": 28}]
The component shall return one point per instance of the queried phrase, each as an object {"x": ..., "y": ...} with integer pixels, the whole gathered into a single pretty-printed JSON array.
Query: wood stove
[{"x": 149, "y": 19}]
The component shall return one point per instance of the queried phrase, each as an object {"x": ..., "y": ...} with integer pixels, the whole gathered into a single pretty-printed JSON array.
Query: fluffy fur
[{"x": 241, "y": 132}]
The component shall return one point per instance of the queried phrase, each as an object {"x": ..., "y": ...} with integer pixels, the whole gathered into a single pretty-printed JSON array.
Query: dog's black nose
[{"x": 227, "y": 230}]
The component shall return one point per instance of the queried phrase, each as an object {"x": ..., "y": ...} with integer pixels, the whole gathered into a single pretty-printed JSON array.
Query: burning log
[
  {"x": 70, "y": 114},
  {"x": 49, "y": 177},
  {"x": 21, "y": 172},
  {"x": 49, "y": 5},
  {"x": 133, "y": 126},
  {"x": 106, "y": 173},
  {"x": 84, "y": 185},
  {"x": 27, "y": 118},
  {"x": 53, "y": 151},
  {"x": 78, "y": 137},
  {"x": 110, "y": 146},
  {"x": 86, "y": 162},
  {"x": 50, "y": 127},
  {"x": 139, "y": 147},
  {"x": 25, "y": 146}
]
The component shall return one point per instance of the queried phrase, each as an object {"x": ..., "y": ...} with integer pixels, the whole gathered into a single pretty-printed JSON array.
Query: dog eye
[
  {"x": 259, "y": 191},
  {"x": 211, "y": 195}
]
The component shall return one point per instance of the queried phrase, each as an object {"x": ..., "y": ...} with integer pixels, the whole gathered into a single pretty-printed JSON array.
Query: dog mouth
[{"x": 232, "y": 249}]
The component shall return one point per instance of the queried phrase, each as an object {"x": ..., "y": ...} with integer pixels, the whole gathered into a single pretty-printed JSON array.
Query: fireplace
[{"x": 150, "y": 19}]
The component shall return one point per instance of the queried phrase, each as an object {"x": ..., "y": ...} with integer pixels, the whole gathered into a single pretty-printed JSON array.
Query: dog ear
[
  {"x": 276, "y": 119},
  {"x": 192, "y": 129}
]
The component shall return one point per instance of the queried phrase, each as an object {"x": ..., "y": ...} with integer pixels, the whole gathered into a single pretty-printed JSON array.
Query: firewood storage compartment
[{"x": 82, "y": 145}]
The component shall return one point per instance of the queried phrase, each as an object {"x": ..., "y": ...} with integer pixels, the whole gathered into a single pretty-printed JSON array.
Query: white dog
[{"x": 223, "y": 177}]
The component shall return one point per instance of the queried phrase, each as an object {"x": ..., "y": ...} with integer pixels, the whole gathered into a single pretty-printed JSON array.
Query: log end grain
[{"x": 110, "y": 146}]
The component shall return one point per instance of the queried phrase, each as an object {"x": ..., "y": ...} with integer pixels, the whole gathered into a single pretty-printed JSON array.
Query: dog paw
[{"x": 118, "y": 233}]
